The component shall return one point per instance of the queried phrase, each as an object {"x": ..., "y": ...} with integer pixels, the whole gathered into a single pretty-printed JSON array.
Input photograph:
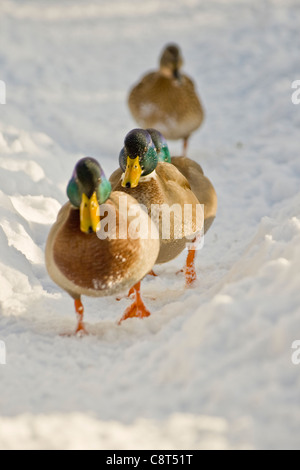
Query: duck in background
[
  {"x": 167, "y": 100},
  {"x": 81, "y": 262},
  {"x": 147, "y": 175}
]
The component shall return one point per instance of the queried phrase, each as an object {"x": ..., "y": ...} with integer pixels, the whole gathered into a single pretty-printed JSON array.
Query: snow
[{"x": 211, "y": 368}]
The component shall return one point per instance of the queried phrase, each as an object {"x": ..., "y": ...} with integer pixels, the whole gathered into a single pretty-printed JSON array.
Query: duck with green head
[
  {"x": 144, "y": 150},
  {"x": 159, "y": 186},
  {"x": 83, "y": 263}
]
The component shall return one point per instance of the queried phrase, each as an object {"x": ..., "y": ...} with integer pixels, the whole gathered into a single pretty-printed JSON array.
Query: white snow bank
[{"x": 81, "y": 432}]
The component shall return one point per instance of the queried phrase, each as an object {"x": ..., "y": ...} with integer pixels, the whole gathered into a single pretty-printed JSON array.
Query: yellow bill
[
  {"x": 133, "y": 173},
  {"x": 89, "y": 214}
]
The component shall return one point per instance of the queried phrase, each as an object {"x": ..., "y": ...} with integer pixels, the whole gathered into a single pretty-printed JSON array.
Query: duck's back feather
[{"x": 201, "y": 187}]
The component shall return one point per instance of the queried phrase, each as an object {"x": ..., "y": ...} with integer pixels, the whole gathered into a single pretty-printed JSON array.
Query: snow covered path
[{"x": 211, "y": 368}]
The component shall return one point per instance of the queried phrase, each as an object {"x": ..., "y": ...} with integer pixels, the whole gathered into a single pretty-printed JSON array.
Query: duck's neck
[{"x": 166, "y": 72}]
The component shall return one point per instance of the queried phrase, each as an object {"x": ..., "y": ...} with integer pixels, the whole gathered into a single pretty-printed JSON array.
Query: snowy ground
[{"x": 211, "y": 368}]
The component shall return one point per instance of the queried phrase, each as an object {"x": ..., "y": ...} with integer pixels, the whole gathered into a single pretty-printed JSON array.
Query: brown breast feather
[{"x": 91, "y": 263}]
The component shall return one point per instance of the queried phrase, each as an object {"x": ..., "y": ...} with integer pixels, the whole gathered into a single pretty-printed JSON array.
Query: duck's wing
[
  {"x": 147, "y": 80},
  {"x": 200, "y": 185},
  {"x": 177, "y": 191},
  {"x": 187, "y": 166},
  {"x": 171, "y": 177}
]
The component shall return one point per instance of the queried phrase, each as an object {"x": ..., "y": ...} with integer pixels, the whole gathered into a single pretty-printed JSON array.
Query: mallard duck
[
  {"x": 81, "y": 259},
  {"x": 159, "y": 186},
  {"x": 167, "y": 100},
  {"x": 199, "y": 183}
]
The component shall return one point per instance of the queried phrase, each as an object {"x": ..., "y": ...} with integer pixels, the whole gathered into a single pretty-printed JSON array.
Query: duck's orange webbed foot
[
  {"x": 128, "y": 296},
  {"x": 152, "y": 273},
  {"x": 190, "y": 270},
  {"x": 80, "y": 330},
  {"x": 138, "y": 308}
]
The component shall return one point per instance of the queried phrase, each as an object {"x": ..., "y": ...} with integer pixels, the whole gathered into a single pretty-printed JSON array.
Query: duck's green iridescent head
[
  {"x": 138, "y": 157},
  {"x": 161, "y": 145},
  {"x": 87, "y": 189}
]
